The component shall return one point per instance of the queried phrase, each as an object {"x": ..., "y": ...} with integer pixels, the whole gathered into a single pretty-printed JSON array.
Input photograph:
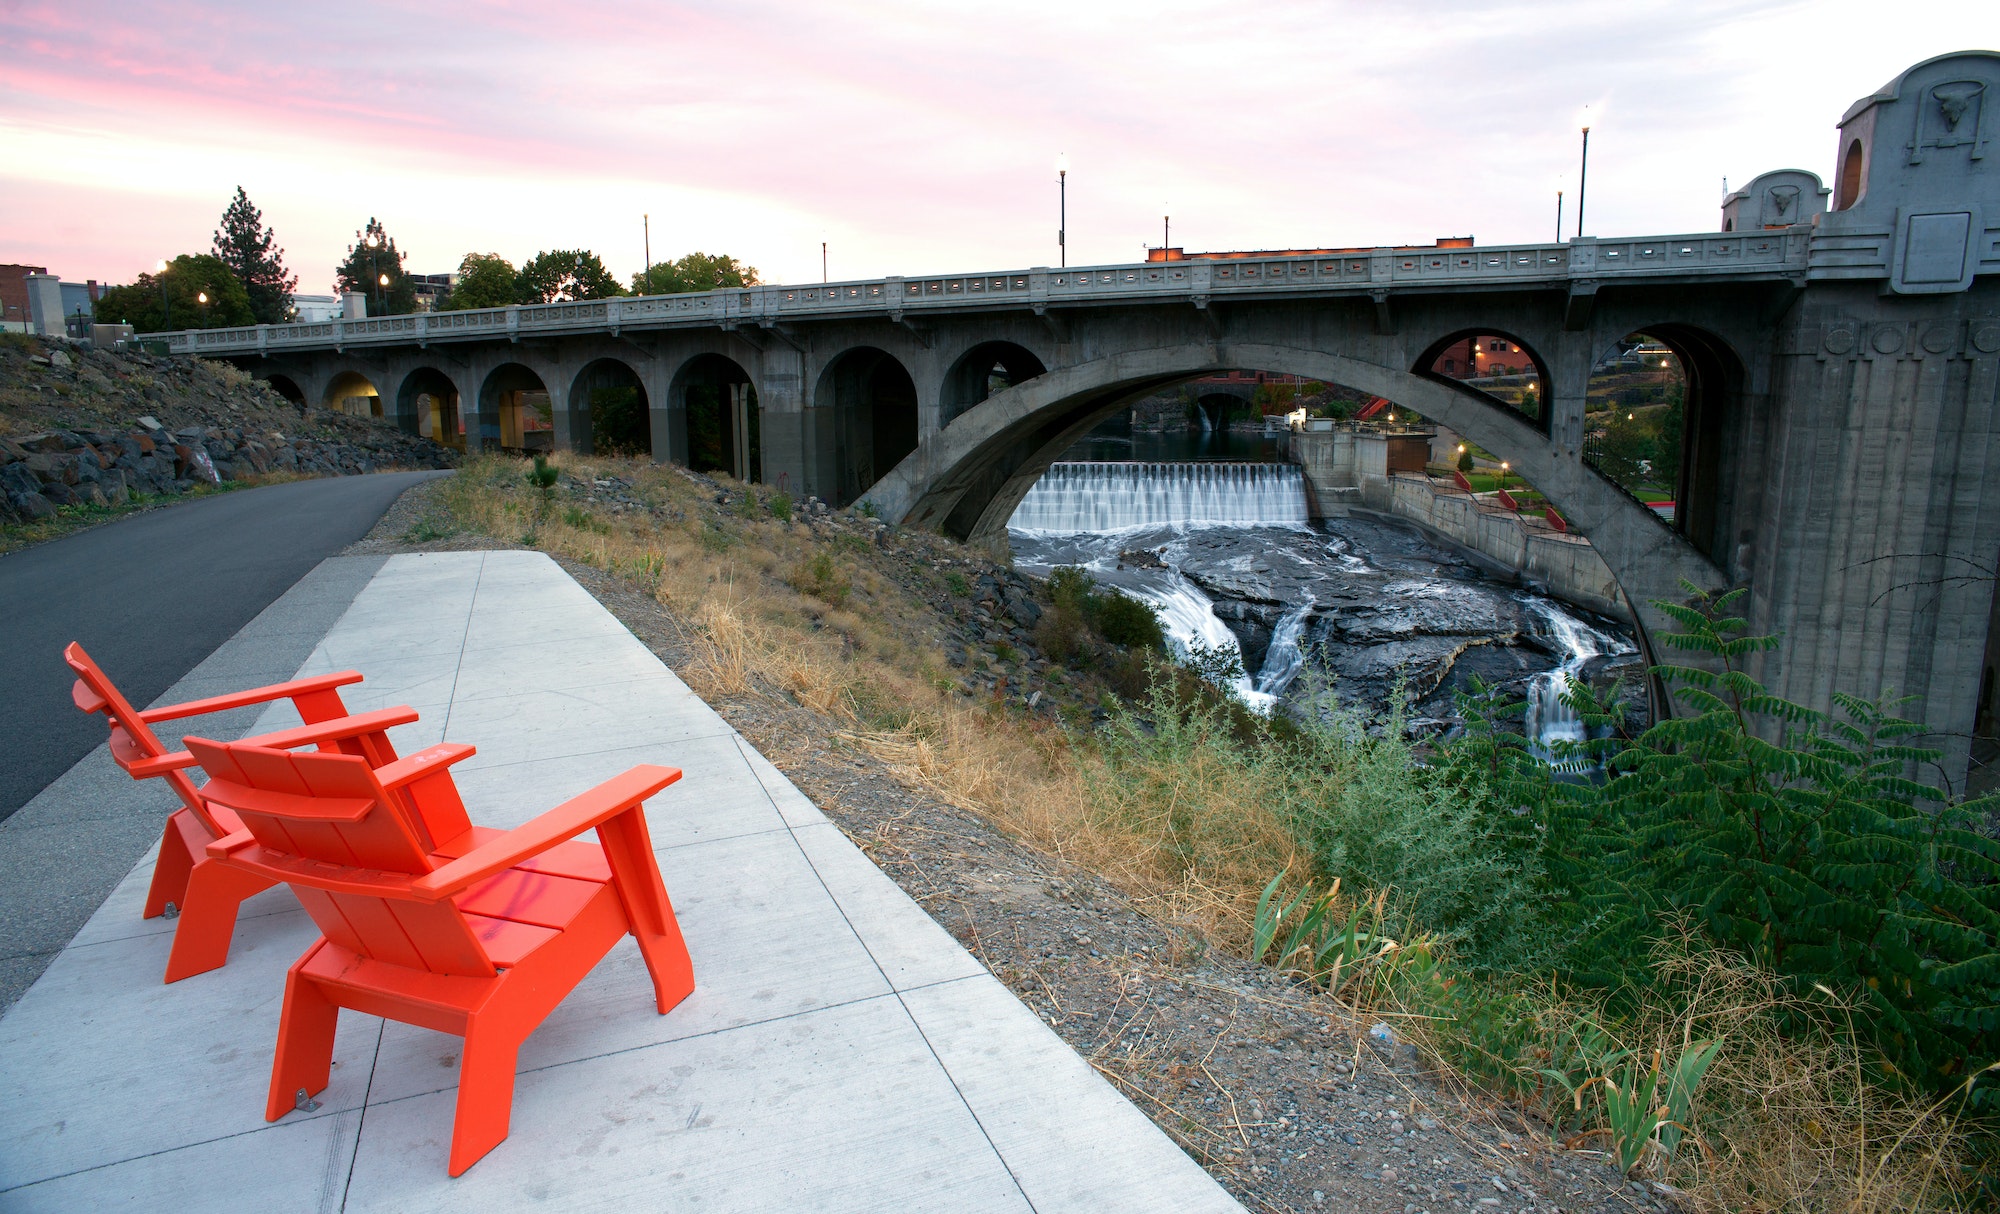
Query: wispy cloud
[{"x": 910, "y": 136}]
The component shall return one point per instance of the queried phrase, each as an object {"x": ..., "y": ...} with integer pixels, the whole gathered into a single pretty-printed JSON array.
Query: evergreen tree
[
  {"x": 370, "y": 259},
  {"x": 560, "y": 275},
  {"x": 252, "y": 253}
]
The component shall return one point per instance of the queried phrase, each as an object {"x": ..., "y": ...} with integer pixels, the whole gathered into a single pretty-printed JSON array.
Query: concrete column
[
  {"x": 572, "y": 417},
  {"x": 666, "y": 423},
  {"x": 1569, "y": 368},
  {"x": 784, "y": 429},
  {"x": 45, "y": 314}
]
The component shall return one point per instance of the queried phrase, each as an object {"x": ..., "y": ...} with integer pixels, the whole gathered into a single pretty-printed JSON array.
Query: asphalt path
[{"x": 150, "y": 596}]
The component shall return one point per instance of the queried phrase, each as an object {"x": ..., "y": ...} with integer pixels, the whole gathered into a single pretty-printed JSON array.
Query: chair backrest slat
[
  {"x": 132, "y": 740},
  {"x": 313, "y": 818}
]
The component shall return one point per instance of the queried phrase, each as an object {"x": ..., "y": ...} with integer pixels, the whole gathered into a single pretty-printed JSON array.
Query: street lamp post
[
  {"x": 1583, "y": 171},
  {"x": 1166, "y": 230},
  {"x": 1062, "y": 209},
  {"x": 201, "y": 297},
  {"x": 166, "y": 305},
  {"x": 1559, "y": 216},
  {"x": 382, "y": 296}
]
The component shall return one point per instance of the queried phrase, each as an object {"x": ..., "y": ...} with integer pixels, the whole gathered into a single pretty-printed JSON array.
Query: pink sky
[{"x": 911, "y": 137}]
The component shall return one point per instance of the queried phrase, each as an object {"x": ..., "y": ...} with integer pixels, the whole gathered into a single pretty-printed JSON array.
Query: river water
[{"x": 1365, "y": 604}]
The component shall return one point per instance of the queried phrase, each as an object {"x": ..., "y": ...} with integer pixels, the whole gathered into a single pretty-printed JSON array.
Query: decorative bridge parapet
[{"x": 1582, "y": 263}]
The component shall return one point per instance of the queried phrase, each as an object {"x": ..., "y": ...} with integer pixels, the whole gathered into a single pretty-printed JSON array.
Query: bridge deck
[
  {"x": 841, "y": 1051},
  {"x": 1695, "y": 257}
]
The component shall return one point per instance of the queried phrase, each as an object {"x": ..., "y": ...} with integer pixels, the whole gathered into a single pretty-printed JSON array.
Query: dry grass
[
  {"x": 781, "y": 613},
  {"x": 777, "y": 611}
]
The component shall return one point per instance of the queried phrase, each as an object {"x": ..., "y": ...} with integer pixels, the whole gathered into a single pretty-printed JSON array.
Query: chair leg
[
  {"x": 170, "y": 872},
  {"x": 208, "y": 917},
  {"x": 628, "y": 848},
  {"x": 305, "y": 1041},
  {"x": 485, "y": 1094}
]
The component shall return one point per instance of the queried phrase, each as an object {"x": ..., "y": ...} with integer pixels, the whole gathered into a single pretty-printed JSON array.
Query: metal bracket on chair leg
[
  {"x": 172, "y": 912},
  {"x": 303, "y": 1102}
]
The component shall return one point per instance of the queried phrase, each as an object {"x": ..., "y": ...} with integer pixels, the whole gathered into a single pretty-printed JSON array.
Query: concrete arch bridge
[{"x": 1843, "y": 363}]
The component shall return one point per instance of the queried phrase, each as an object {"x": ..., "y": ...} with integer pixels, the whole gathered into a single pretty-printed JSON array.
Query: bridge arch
[
  {"x": 989, "y": 367},
  {"x": 1475, "y": 361},
  {"x": 609, "y": 410},
  {"x": 352, "y": 392},
  {"x": 427, "y": 404},
  {"x": 287, "y": 387},
  {"x": 715, "y": 400},
  {"x": 515, "y": 410},
  {"x": 967, "y": 480},
  {"x": 873, "y": 402},
  {"x": 1713, "y": 374}
]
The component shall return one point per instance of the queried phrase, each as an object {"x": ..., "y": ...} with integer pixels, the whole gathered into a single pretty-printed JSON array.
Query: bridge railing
[{"x": 1779, "y": 252}]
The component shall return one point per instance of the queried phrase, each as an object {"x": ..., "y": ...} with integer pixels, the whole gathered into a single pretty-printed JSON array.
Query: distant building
[
  {"x": 14, "y": 306},
  {"x": 34, "y": 301},
  {"x": 313, "y": 309},
  {"x": 431, "y": 289}
]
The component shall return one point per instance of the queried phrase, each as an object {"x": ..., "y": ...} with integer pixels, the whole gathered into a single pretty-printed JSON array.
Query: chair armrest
[
  {"x": 337, "y": 729},
  {"x": 558, "y": 825},
  {"x": 255, "y": 695},
  {"x": 423, "y": 763}
]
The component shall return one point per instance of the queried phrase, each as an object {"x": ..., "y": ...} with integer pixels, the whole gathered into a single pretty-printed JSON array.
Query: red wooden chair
[
  {"x": 204, "y": 895},
  {"x": 480, "y": 935}
]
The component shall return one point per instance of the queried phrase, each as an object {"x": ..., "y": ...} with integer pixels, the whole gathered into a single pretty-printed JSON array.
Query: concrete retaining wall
[{"x": 1346, "y": 468}]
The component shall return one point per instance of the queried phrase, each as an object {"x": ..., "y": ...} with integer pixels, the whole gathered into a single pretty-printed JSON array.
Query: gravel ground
[{"x": 1281, "y": 1093}]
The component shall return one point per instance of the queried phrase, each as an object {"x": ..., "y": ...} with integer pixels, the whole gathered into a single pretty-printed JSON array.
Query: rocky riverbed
[{"x": 1352, "y": 608}]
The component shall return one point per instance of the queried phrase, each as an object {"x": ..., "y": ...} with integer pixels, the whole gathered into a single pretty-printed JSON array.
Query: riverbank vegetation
[{"x": 1754, "y": 960}]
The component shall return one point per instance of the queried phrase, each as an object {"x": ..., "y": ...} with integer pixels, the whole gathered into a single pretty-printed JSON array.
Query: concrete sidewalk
[{"x": 840, "y": 1052}]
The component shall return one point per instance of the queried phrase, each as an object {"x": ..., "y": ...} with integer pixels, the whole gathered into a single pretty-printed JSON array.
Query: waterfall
[
  {"x": 1550, "y": 719},
  {"x": 1283, "y": 660},
  {"x": 1117, "y": 496}
]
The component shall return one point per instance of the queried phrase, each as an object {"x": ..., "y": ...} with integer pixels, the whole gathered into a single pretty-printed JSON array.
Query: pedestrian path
[{"x": 841, "y": 1051}]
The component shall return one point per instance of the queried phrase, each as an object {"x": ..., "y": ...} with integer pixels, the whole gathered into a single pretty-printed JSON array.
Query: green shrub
[
  {"x": 1114, "y": 615},
  {"x": 821, "y": 578},
  {"x": 956, "y": 584},
  {"x": 1796, "y": 837},
  {"x": 780, "y": 506}
]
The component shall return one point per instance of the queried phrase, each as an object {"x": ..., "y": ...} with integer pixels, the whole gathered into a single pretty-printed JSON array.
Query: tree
[
  {"x": 694, "y": 272},
  {"x": 185, "y": 281},
  {"x": 485, "y": 280},
  {"x": 559, "y": 275},
  {"x": 1622, "y": 450},
  {"x": 371, "y": 258},
  {"x": 251, "y": 252}
]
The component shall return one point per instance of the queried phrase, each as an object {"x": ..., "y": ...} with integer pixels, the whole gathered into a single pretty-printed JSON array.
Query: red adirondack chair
[
  {"x": 205, "y": 895},
  {"x": 481, "y": 934}
]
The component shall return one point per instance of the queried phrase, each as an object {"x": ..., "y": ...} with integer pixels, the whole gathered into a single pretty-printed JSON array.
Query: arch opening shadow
[
  {"x": 354, "y": 394},
  {"x": 515, "y": 413},
  {"x": 287, "y": 387},
  {"x": 989, "y": 367},
  {"x": 612, "y": 398},
  {"x": 874, "y": 405},
  {"x": 1495, "y": 367},
  {"x": 719, "y": 403},
  {"x": 1654, "y": 415},
  {"x": 427, "y": 405}
]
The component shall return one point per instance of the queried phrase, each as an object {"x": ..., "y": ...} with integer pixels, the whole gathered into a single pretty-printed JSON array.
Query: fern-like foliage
[{"x": 1801, "y": 838}]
